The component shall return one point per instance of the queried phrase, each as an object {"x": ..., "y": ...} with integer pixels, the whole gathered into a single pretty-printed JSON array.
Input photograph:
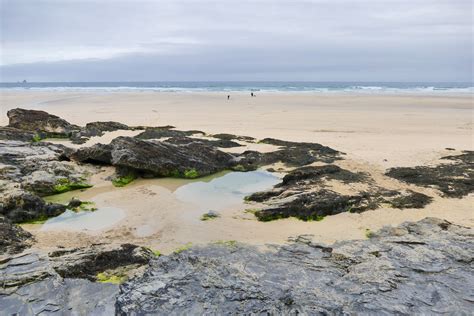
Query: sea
[{"x": 254, "y": 86}]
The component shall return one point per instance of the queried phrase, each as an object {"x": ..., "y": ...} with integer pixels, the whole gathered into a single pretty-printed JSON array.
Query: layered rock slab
[{"x": 416, "y": 268}]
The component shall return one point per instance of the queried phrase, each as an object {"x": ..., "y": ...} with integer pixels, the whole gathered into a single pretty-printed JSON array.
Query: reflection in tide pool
[
  {"x": 95, "y": 220},
  {"x": 227, "y": 190}
]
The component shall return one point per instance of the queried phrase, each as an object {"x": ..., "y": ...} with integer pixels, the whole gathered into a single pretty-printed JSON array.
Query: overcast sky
[{"x": 162, "y": 40}]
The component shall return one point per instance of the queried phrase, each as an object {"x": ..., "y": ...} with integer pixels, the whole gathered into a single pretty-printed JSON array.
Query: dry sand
[{"x": 376, "y": 132}]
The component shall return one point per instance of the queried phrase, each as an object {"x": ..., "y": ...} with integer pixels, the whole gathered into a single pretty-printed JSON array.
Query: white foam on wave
[{"x": 369, "y": 89}]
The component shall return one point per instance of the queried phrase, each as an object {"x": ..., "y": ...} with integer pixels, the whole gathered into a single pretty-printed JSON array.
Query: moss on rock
[{"x": 123, "y": 181}]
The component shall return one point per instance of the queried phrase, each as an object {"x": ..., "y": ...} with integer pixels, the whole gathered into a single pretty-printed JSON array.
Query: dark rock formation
[
  {"x": 315, "y": 174},
  {"x": 40, "y": 122},
  {"x": 96, "y": 129},
  {"x": 455, "y": 179},
  {"x": 157, "y": 158},
  {"x": 416, "y": 268},
  {"x": 165, "y": 131},
  {"x": 223, "y": 143},
  {"x": 86, "y": 263},
  {"x": 292, "y": 154},
  {"x": 31, "y": 169},
  {"x": 225, "y": 136},
  {"x": 21, "y": 206},
  {"x": 13, "y": 238},
  {"x": 303, "y": 194},
  {"x": 32, "y": 283},
  {"x": 10, "y": 133}
]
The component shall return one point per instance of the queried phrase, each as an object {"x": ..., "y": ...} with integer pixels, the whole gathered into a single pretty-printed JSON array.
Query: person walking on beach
[
  {"x": 228, "y": 97},
  {"x": 251, "y": 94}
]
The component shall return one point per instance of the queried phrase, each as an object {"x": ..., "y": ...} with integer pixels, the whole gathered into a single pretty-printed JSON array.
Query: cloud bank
[{"x": 319, "y": 40}]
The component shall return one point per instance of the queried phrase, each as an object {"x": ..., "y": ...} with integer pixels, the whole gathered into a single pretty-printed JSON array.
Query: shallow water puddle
[
  {"x": 85, "y": 220},
  {"x": 227, "y": 190},
  {"x": 220, "y": 192}
]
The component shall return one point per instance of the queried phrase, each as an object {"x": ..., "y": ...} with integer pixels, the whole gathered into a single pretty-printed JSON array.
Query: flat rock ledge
[
  {"x": 66, "y": 281},
  {"x": 416, "y": 268}
]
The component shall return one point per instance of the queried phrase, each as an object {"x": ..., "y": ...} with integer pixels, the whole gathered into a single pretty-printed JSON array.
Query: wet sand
[{"x": 376, "y": 132}]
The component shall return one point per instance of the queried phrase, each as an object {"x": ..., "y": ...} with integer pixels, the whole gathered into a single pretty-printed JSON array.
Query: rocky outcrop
[
  {"x": 455, "y": 179},
  {"x": 94, "y": 129},
  {"x": 226, "y": 136},
  {"x": 34, "y": 283},
  {"x": 157, "y": 158},
  {"x": 21, "y": 206},
  {"x": 165, "y": 132},
  {"x": 303, "y": 194},
  {"x": 10, "y": 133},
  {"x": 86, "y": 263},
  {"x": 220, "y": 143},
  {"x": 13, "y": 239},
  {"x": 29, "y": 170},
  {"x": 292, "y": 154},
  {"x": 416, "y": 268},
  {"x": 41, "y": 122}
]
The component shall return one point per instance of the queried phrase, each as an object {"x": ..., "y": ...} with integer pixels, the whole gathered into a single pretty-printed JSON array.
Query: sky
[{"x": 241, "y": 40}]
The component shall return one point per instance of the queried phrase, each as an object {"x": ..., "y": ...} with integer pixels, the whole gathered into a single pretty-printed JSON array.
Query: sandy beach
[{"x": 375, "y": 131}]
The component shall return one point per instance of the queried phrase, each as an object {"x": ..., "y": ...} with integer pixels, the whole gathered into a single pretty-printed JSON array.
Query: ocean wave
[{"x": 243, "y": 87}]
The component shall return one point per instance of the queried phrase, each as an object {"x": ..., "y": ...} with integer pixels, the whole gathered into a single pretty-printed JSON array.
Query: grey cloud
[{"x": 417, "y": 40}]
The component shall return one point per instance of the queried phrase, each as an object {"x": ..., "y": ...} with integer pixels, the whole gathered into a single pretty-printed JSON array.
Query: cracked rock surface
[{"x": 415, "y": 268}]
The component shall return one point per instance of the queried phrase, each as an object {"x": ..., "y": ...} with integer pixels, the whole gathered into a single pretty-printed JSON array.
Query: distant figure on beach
[
  {"x": 251, "y": 94},
  {"x": 228, "y": 97}
]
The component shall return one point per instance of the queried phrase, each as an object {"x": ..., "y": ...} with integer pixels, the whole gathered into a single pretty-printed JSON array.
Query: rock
[
  {"x": 210, "y": 215},
  {"x": 96, "y": 154},
  {"x": 416, "y": 268},
  {"x": 40, "y": 122},
  {"x": 157, "y": 158},
  {"x": 13, "y": 238},
  {"x": 32, "y": 283},
  {"x": 20, "y": 206},
  {"x": 96, "y": 129},
  {"x": 315, "y": 205},
  {"x": 225, "y": 136},
  {"x": 410, "y": 200},
  {"x": 30, "y": 170},
  {"x": 10, "y": 133},
  {"x": 40, "y": 167},
  {"x": 303, "y": 194},
  {"x": 292, "y": 154},
  {"x": 317, "y": 173},
  {"x": 222, "y": 143},
  {"x": 300, "y": 154},
  {"x": 165, "y": 132},
  {"x": 86, "y": 263},
  {"x": 74, "y": 203},
  {"x": 455, "y": 179}
]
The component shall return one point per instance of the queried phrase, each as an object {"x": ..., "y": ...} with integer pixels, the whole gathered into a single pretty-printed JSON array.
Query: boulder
[
  {"x": 21, "y": 206},
  {"x": 157, "y": 158},
  {"x": 41, "y": 168},
  {"x": 40, "y": 122}
]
